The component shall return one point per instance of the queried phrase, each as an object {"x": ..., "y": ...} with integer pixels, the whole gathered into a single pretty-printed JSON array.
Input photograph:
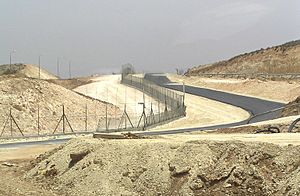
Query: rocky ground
[
  {"x": 12, "y": 181},
  {"x": 167, "y": 166},
  {"x": 292, "y": 108}
]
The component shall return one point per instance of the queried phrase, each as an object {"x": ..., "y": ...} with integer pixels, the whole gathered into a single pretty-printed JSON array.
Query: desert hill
[
  {"x": 28, "y": 97},
  {"x": 284, "y": 58},
  {"x": 25, "y": 70}
]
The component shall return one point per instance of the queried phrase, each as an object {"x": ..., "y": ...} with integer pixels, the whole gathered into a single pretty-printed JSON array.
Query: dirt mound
[
  {"x": 25, "y": 70},
  {"x": 278, "y": 59},
  {"x": 24, "y": 96},
  {"x": 164, "y": 167},
  {"x": 292, "y": 108}
]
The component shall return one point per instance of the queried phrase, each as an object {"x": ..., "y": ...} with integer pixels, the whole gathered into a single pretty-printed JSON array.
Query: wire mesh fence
[
  {"x": 172, "y": 99},
  {"x": 37, "y": 122},
  {"x": 18, "y": 119},
  {"x": 173, "y": 102},
  {"x": 40, "y": 121}
]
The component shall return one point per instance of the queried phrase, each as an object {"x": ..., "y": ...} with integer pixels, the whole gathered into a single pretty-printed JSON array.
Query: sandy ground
[
  {"x": 29, "y": 99},
  {"x": 282, "y": 91},
  {"x": 31, "y": 152},
  {"x": 173, "y": 165},
  {"x": 108, "y": 88},
  {"x": 282, "y": 139},
  {"x": 200, "y": 111},
  {"x": 204, "y": 112}
]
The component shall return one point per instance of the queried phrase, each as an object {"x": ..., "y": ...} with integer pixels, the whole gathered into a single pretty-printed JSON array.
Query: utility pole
[
  {"x": 13, "y": 51},
  {"x": 57, "y": 67},
  {"x": 70, "y": 75}
]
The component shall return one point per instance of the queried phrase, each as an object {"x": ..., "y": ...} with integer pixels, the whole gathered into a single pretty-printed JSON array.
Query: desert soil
[
  {"x": 172, "y": 165},
  {"x": 25, "y": 95},
  {"x": 108, "y": 88},
  {"x": 13, "y": 164}
]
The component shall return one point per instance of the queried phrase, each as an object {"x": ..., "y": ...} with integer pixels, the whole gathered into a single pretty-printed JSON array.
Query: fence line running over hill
[
  {"x": 25, "y": 120},
  {"x": 173, "y": 102},
  {"x": 285, "y": 76}
]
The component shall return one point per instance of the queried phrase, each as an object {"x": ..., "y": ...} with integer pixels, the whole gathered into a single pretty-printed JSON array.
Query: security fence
[
  {"x": 61, "y": 119},
  {"x": 173, "y": 102},
  {"x": 270, "y": 76},
  {"x": 172, "y": 99}
]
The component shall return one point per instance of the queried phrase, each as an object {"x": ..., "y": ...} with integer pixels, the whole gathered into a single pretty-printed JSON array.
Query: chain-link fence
[
  {"x": 40, "y": 121},
  {"x": 36, "y": 117},
  {"x": 173, "y": 102},
  {"x": 269, "y": 76},
  {"x": 134, "y": 122}
]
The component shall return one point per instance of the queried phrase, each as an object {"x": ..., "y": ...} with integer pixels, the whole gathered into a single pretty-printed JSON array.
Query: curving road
[{"x": 258, "y": 108}]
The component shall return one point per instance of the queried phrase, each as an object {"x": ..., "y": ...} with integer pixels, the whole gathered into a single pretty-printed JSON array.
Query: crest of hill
[
  {"x": 283, "y": 58},
  {"x": 25, "y": 70}
]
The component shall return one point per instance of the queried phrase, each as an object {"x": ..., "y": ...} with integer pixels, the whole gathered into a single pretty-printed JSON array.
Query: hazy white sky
[{"x": 98, "y": 36}]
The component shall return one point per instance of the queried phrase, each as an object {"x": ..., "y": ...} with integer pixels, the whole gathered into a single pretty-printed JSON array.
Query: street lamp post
[{"x": 70, "y": 75}]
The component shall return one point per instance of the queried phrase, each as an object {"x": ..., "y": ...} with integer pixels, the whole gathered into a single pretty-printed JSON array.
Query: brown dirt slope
[
  {"x": 24, "y": 95},
  {"x": 278, "y": 59},
  {"x": 164, "y": 167},
  {"x": 25, "y": 70},
  {"x": 292, "y": 108},
  {"x": 12, "y": 181}
]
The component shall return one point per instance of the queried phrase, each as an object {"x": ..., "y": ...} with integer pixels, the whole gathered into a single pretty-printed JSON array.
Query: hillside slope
[
  {"x": 284, "y": 58},
  {"x": 25, "y": 70},
  {"x": 25, "y": 95}
]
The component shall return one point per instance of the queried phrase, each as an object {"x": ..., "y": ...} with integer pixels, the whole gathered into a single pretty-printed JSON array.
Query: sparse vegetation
[{"x": 278, "y": 59}]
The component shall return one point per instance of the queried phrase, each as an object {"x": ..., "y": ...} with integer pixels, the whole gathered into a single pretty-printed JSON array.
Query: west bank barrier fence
[
  {"x": 272, "y": 76},
  {"x": 19, "y": 121},
  {"x": 173, "y": 102}
]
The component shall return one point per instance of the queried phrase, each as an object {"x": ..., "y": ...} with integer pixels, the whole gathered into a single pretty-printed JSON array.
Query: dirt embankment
[
  {"x": 292, "y": 108},
  {"x": 169, "y": 167},
  {"x": 278, "y": 59},
  {"x": 24, "y": 96}
]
